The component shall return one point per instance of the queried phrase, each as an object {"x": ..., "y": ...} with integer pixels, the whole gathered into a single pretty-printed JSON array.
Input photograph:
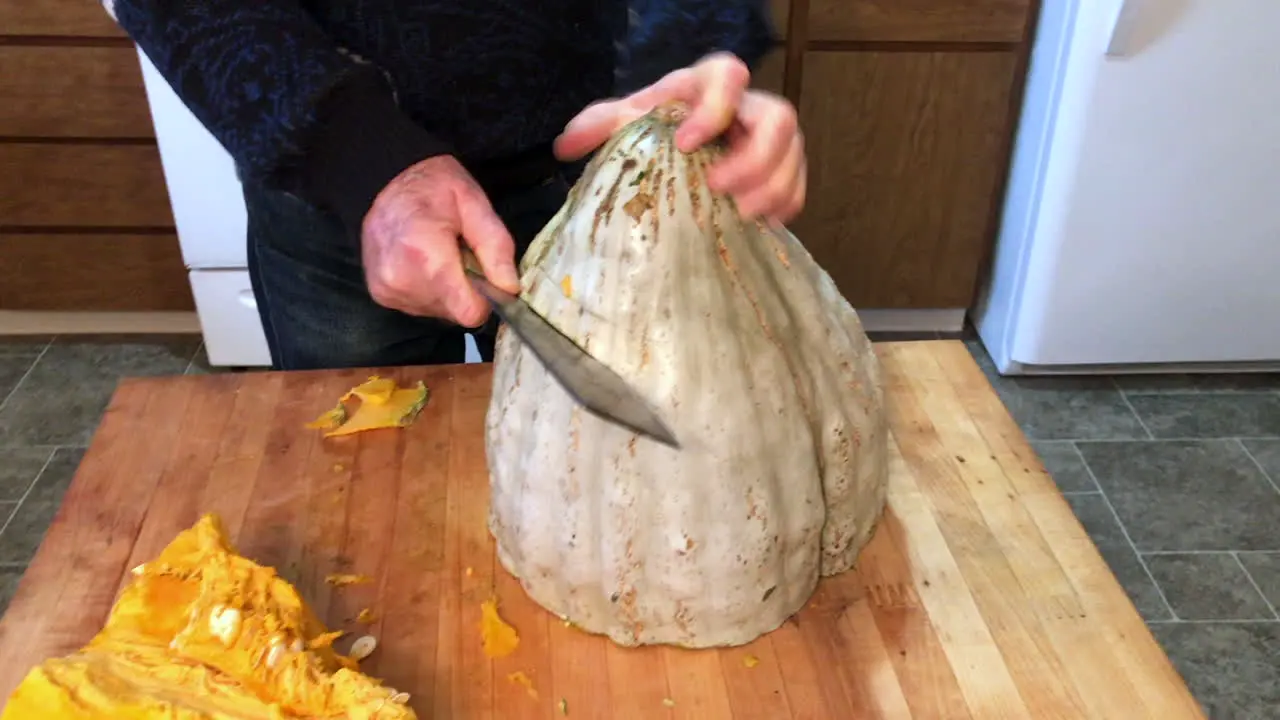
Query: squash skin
[
  {"x": 160, "y": 656},
  {"x": 750, "y": 353}
]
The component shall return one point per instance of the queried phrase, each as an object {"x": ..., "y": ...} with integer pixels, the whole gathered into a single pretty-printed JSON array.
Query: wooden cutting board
[{"x": 980, "y": 595}]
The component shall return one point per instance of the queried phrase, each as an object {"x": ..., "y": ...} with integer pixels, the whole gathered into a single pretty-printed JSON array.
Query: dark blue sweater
[{"x": 330, "y": 99}]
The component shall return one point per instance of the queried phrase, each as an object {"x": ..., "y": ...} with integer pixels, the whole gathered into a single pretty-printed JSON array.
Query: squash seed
[
  {"x": 400, "y": 698},
  {"x": 275, "y": 653},
  {"x": 363, "y": 647},
  {"x": 224, "y": 623}
]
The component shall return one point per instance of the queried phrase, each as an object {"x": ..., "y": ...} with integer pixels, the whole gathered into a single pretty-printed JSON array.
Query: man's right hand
[{"x": 410, "y": 243}]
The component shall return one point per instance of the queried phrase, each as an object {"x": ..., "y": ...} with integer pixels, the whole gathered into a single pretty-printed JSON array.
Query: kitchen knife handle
[{"x": 470, "y": 263}]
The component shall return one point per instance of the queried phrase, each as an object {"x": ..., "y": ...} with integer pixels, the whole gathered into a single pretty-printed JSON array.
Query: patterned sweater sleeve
[
  {"x": 290, "y": 107},
  {"x": 665, "y": 35}
]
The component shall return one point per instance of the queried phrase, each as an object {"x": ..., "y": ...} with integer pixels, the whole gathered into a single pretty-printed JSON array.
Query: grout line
[
  {"x": 1088, "y": 470},
  {"x": 1204, "y": 621},
  {"x": 1255, "y": 585},
  {"x": 1156, "y": 440},
  {"x": 1070, "y": 493},
  {"x": 13, "y": 566},
  {"x": 191, "y": 363},
  {"x": 30, "y": 487},
  {"x": 25, "y": 375},
  {"x": 1201, "y": 552},
  {"x": 1125, "y": 531},
  {"x": 1267, "y": 476},
  {"x": 1132, "y": 409}
]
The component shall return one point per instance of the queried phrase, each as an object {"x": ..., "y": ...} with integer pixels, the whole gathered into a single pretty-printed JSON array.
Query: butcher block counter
[{"x": 980, "y": 595}]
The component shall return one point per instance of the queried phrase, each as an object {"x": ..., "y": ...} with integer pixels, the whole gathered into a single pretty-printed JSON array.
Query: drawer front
[
  {"x": 101, "y": 186},
  {"x": 58, "y": 91},
  {"x": 80, "y": 18},
  {"x": 233, "y": 334},
  {"x": 117, "y": 272},
  {"x": 918, "y": 20}
]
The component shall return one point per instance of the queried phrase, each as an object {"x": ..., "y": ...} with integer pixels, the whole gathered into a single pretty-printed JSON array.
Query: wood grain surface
[
  {"x": 980, "y": 595},
  {"x": 918, "y": 20},
  {"x": 113, "y": 272},
  {"x": 82, "y": 92},
  {"x": 66, "y": 18},
  {"x": 901, "y": 220},
  {"x": 82, "y": 185}
]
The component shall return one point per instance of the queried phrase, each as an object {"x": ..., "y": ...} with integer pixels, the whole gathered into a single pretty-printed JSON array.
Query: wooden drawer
[
  {"x": 906, "y": 150},
  {"x": 770, "y": 74},
  {"x": 44, "y": 185},
  {"x": 82, "y": 18},
  {"x": 72, "y": 92},
  {"x": 918, "y": 20},
  {"x": 93, "y": 272}
]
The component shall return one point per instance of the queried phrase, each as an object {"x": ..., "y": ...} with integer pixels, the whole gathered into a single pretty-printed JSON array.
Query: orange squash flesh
[{"x": 202, "y": 633}]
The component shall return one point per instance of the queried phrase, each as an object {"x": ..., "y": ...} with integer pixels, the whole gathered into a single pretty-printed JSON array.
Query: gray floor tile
[
  {"x": 1207, "y": 415},
  {"x": 1193, "y": 383},
  {"x": 1187, "y": 495},
  {"x": 1070, "y": 409},
  {"x": 23, "y": 344},
  {"x": 1264, "y": 568},
  {"x": 62, "y": 399},
  {"x": 12, "y": 368},
  {"x": 1233, "y": 669},
  {"x": 1267, "y": 453},
  {"x": 1207, "y": 586},
  {"x": 200, "y": 363},
  {"x": 57, "y": 476},
  {"x": 1065, "y": 465},
  {"x": 19, "y": 467},
  {"x": 26, "y": 529},
  {"x": 1062, "y": 408},
  {"x": 1100, "y": 523},
  {"x": 9, "y": 578}
]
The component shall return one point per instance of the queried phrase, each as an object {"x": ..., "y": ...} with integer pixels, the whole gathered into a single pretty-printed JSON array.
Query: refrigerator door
[{"x": 1153, "y": 231}]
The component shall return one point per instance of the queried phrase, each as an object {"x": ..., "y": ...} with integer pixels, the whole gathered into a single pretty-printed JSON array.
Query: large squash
[
  {"x": 749, "y": 352},
  {"x": 202, "y": 633}
]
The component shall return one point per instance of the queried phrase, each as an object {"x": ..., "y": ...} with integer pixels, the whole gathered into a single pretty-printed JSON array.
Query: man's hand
[
  {"x": 764, "y": 169},
  {"x": 410, "y": 243}
]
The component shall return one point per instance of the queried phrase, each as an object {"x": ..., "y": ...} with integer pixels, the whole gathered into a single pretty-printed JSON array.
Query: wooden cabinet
[
  {"x": 908, "y": 109},
  {"x": 85, "y": 223}
]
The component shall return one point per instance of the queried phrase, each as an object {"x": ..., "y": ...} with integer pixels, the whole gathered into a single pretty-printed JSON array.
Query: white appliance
[
  {"x": 209, "y": 214},
  {"x": 1141, "y": 227}
]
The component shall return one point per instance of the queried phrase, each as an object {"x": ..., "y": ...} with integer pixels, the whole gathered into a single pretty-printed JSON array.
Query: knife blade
[{"x": 590, "y": 382}]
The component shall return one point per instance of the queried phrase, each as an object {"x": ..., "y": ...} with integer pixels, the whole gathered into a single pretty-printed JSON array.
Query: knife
[{"x": 590, "y": 382}]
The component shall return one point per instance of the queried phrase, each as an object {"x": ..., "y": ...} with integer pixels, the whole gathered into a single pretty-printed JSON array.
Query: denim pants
[{"x": 309, "y": 285}]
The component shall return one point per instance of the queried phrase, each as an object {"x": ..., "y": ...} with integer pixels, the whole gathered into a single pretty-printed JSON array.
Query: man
[{"x": 371, "y": 135}]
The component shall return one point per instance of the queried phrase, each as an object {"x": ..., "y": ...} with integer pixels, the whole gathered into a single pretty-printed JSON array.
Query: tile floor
[{"x": 1176, "y": 478}]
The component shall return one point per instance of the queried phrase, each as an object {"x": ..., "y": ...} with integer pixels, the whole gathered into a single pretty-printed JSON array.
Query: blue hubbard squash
[{"x": 749, "y": 352}]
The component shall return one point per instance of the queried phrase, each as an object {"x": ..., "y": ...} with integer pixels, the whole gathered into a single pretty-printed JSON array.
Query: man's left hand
[{"x": 764, "y": 168}]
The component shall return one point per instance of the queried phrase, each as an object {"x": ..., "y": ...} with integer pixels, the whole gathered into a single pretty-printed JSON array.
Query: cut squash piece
[
  {"x": 202, "y": 633},
  {"x": 499, "y": 638},
  {"x": 380, "y": 403}
]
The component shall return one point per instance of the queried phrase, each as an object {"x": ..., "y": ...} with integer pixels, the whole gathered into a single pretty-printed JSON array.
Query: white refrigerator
[{"x": 1141, "y": 226}]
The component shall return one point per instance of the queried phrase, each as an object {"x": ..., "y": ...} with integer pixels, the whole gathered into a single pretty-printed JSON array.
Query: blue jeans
[{"x": 309, "y": 286}]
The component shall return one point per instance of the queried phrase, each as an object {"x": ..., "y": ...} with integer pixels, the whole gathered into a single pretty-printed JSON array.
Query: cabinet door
[{"x": 905, "y": 153}]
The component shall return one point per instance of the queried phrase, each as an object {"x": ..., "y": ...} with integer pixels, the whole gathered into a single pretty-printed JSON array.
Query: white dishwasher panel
[
  {"x": 204, "y": 192},
  {"x": 233, "y": 334}
]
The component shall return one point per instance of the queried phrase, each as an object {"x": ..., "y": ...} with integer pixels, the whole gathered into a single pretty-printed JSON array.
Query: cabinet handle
[
  {"x": 1123, "y": 28},
  {"x": 247, "y": 299}
]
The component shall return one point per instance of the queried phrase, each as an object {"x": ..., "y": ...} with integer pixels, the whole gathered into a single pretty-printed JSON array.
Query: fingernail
[{"x": 508, "y": 278}]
